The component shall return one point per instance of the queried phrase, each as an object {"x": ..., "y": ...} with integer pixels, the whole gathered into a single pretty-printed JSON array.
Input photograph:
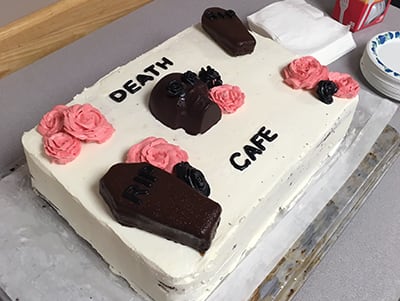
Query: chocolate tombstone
[
  {"x": 143, "y": 196},
  {"x": 180, "y": 100},
  {"x": 228, "y": 31}
]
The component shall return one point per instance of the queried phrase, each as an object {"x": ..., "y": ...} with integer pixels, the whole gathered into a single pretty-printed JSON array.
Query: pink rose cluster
[
  {"x": 65, "y": 128},
  {"x": 306, "y": 72},
  {"x": 157, "y": 152},
  {"x": 348, "y": 87},
  {"x": 229, "y": 98}
]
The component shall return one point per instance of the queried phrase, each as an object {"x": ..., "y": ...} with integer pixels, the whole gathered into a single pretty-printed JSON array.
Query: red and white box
[{"x": 360, "y": 14}]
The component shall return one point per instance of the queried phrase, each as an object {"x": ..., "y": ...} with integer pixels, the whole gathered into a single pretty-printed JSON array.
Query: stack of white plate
[{"x": 380, "y": 63}]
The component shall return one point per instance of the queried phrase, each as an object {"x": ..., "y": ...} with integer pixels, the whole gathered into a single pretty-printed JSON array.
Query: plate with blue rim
[{"x": 384, "y": 52}]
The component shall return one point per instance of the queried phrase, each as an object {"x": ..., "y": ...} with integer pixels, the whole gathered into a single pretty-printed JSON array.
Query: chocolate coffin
[
  {"x": 143, "y": 196},
  {"x": 228, "y": 31}
]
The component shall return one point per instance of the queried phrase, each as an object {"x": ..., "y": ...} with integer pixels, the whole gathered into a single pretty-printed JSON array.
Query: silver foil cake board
[
  {"x": 293, "y": 269},
  {"x": 42, "y": 258}
]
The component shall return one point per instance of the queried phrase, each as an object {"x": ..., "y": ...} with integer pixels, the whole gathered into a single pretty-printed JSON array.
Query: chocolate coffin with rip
[{"x": 143, "y": 196}]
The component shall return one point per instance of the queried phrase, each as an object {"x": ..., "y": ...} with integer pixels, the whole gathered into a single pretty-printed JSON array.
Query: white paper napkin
[{"x": 303, "y": 29}]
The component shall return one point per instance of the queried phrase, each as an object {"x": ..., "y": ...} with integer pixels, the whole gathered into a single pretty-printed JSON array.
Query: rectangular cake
[{"x": 306, "y": 131}]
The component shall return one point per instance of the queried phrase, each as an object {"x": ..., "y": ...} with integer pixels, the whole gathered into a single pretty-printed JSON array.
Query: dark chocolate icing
[
  {"x": 256, "y": 147},
  {"x": 132, "y": 87},
  {"x": 211, "y": 77},
  {"x": 325, "y": 90},
  {"x": 228, "y": 31},
  {"x": 143, "y": 196},
  {"x": 193, "y": 177},
  {"x": 181, "y": 101}
]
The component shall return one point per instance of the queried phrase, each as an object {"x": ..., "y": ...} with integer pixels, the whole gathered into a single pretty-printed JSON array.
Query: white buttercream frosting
[{"x": 164, "y": 270}]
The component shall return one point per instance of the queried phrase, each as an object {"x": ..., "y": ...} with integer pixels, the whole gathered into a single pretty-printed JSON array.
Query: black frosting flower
[
  {"x": 190, "y": 77},
  {"x": 210, "y": 14},
  {"x": 325, "y": 90},
  {"x": 210, "y": 76},
  {"x": 175, "y": 88},
  {"x": 230, "y": 13},
  {"x": 193, "y": 177}
]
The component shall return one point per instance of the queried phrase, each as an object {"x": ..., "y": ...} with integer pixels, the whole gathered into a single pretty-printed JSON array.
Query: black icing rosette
[
  {"x": 193, "y": 177},
  {"x": 211, "y": 15},
  {"x": 190, "y": 77},
  {"x": 175, "y": 88},
  {"x": 230, "y": 13},
  {"x": 210, "y": 76},
  {"x": 325, "y": 90}
]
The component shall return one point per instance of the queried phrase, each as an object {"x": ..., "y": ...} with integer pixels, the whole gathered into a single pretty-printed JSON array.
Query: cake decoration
[
  {"x": 193, "y": 177},
  {"x": 347, "y": 86},
  {"x": 304, "y": 73},
  {"x": 228, "y": 31},
  {"x": 61, "y": 147},
  {"x": 149, "y": 74},
  {"x": 175, "y": 88},
  {"x": 182, "y": 101},
  {"x": 87, "y": 124},
  {"x": 229, "y": 98},
  {"x": 210, "y": 76},
  {"x": 158, "y": 152},
  {"x": 190, "y": 77},
  {"x": 64, "y": 128},
  {"x": 307, "y": 73},
  {"x": 167, "y": 207},
  {"x": 325, "y": 91},
  {"x": 242, "y": 161},
  {"x": 53, "y": 121}
]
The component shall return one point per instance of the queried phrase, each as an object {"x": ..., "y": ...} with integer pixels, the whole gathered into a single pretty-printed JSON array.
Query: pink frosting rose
[
  {"x": 347, "y": 86},
  {"x": 228, "y": 98},
  {"x": 61, "y": 147},
  {"x": 87, "y": 123},
  {"x": 52, "y": 122},
  {"x": 158, "y": 152},
  {"x": 304, "y": 73}
]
